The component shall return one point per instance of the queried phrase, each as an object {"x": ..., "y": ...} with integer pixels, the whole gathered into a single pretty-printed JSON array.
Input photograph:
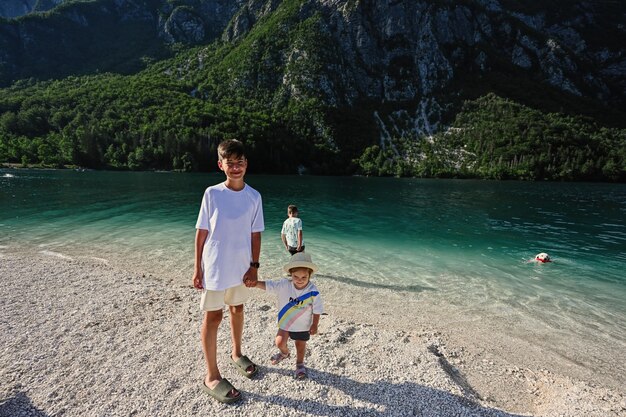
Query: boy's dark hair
[
  {"x": 231, "y": 148},
  {"x": 292, "y": 209}
]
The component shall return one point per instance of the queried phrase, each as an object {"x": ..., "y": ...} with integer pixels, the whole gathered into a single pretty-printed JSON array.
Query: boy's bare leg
[
  {"x": 208, "y": 335},
  {"x": 300, "y": 350},
  {"x": 236, "y": 332}
]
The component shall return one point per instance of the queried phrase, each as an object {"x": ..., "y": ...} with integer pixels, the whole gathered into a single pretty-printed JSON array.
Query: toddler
[{"x": 299, "y": 308}]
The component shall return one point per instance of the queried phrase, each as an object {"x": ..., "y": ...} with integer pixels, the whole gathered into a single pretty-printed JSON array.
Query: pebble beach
[{"x": 84, "y": 336}]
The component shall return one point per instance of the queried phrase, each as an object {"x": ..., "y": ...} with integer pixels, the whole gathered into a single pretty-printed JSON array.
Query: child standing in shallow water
[
  {"x": 291, "y": 233},
  {"x": 299, "y": 308}
]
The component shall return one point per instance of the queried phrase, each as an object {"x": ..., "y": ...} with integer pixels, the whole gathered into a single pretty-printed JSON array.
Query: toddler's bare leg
[
  {"x": 300, "y": 350},
  {"x": 281, "y": 341}
]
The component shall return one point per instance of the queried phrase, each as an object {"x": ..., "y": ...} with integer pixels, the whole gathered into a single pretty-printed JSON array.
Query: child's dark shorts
[
  {"x": 293, "y": 250},
  {"x": 300, "y": 336}
]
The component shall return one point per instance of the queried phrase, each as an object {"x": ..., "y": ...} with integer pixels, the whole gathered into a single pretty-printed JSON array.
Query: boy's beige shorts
[{"x": 215, "y": 300}]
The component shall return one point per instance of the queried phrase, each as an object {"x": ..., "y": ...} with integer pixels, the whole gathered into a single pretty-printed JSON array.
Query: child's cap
[{"x": 300, "y": 260}]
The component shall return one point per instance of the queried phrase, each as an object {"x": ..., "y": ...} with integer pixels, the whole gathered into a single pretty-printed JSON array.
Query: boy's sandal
[
  {"x": 222, "y": 392},
  {"x": 300, "y": 371},
  {"x": 278, "y": 357},
  {"x": 243, "y": 364}
]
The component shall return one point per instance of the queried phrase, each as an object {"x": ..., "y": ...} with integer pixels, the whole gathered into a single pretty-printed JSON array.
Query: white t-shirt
[
  {"x": 230, "y": 217},
  {"x": 291, "y": 226},
  {"x": 295, "y": 307}
]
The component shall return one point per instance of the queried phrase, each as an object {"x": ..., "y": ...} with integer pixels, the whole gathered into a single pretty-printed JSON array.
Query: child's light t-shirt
[
  {"x": 230, "y": 217},
  {"x": 291, "y": 226},
  {"x": 295, "y": 307}
]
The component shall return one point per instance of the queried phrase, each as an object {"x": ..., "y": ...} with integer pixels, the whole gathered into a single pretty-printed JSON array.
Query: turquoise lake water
[{"x": 465, "y": 243}]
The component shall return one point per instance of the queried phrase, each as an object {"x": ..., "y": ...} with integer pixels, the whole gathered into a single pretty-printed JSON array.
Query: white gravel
[{"x": 81, "y": 337}]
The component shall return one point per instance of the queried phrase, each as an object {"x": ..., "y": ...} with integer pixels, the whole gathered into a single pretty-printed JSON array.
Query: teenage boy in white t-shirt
[
  {"x": 299, "y": 308},
  {"x": 227, "y": 249}
]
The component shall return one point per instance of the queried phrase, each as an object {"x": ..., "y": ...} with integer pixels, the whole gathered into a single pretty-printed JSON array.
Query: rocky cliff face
[
  {"x": 415, "y": 51},
  {"x": 196, "y": 21},
  {"x": 408, "y": 51}
]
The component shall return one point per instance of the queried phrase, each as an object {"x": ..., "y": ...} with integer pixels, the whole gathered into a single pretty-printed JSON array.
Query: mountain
[
  {"x": 396, "y": 50},
  {"x": 350, "y": 84}
]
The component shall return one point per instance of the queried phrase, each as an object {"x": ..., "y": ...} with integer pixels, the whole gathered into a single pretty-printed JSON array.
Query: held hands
[{"x": 250, "y": 278}]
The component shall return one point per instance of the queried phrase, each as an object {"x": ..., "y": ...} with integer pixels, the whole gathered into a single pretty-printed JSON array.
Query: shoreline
[
  {"x": 87, "y": 337},
  {"x": 19, "y": 167}
]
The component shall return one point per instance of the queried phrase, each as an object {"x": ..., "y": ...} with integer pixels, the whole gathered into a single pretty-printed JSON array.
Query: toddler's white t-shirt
[{"x": 295, "y": 307}]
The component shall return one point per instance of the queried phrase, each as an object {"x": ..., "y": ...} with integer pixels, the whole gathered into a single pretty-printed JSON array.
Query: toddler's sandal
[
  {"x": 301, "y": 372},
  {"x": 278, "y": 357}
]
